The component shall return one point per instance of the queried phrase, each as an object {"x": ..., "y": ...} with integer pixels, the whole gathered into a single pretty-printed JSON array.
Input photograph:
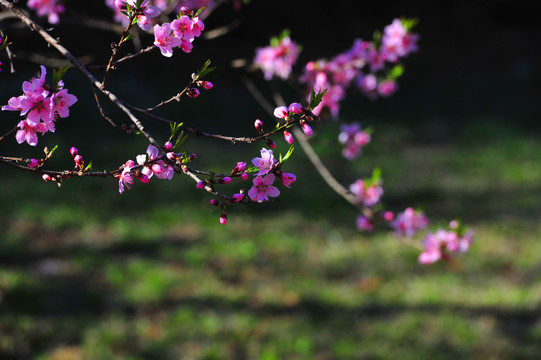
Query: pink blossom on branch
[
  {"x": 49, "y": 8},
  {"x": 278, "y": 58},
  {"x": 165, "y": 40},
  {"x": 263, "y": 188},
  {"x": 265, "y": 163}
]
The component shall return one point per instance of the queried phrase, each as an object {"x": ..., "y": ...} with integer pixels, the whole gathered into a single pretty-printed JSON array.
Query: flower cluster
[
  {"x": 409, "y": 222},
  {"x": 148, "y": 165},
  {"x": 268, "y": 169},
  {"x": 354, "y": 139},
  {"x": 180, "y": 33},
  {"x": 337, "y": 74},
  {"x": 278, "y": 58},
  {"x": 442, "y": 244},
  {"x": 41, "y": 104},
  {"x": 366, "y": 192},
  {"x": 49, "y": 8},
  {"x": 145, "y": 11}
]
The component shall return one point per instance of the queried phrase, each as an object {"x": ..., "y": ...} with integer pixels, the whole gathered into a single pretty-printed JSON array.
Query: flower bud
[
  {"x": 388, "y": 215},
  {"x": 79, "y": 161},
  {"x": 296, "y": 108},
  {"x": 33, "y": 163},
  {"x": 238, "y": 197},
  {"x": 288, "y": 137},
  {"x": 168, "y": 146},
  {"x": 46, "y": 177},
  {"x": 306, "y": 129},
  {"x": 207, "y": 85},
  {"x": 224, "y": 180},
  {"x": 214, "y": 202},
  {"x": 281, "y": 112},
  {"x": 259, "y": 125},
  {"x": 223, "y": 218},
  {"x": 244, "y": 176},
  {"x": 200, "y": 185},
  {"x": 192, "y": 157},
  {"x": 239, "y": 168},
  {"x": 73, "y": 152},
  {"x": 270, "y": 143},
  {"x": 192, "y": 92}
]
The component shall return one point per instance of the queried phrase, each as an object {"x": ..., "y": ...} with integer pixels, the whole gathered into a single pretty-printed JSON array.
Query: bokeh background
[{"x": 86, "y": 273}]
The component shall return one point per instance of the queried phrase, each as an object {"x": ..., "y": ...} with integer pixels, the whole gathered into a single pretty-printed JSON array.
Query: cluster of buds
[{"x": 79, "y": 162}]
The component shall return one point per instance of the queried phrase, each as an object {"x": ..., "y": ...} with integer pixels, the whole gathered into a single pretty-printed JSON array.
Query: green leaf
[
  {"x": 376, "y": 176},
  {"x": 251, "y": 169},
  {"x": 288, "y": 154},
  {"x": 409, "y": 24},
  {"x": 52, "y": 151},
  {"x": 315, "y": 98},
  {"x": 58, "y": 74},
  {"x": 89, "y": 166},
  {"x": 396, "y": 72},
  {"x": 180, "y": 140},
  {"x": 205, "y": 70},
  {"x": 199, "y": 11}
]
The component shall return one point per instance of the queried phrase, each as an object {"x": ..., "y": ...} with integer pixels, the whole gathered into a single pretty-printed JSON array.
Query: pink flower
[
  {"x": 60, "y": 103},
  {"x": 277, "y": 60},
  {"x": 125, "y": 179},
  {"x": 33, "y": 163},
  {"x": 286, "y": 178},
  {"x": 164, "y": 40},
  {"x": 409, "y": 222},
  {"x": 387, "y": 87},
  {"x": 442, "y": 244},
  {"x": 364, "y": 224},
  {"x": 369, "y": 195},
  {"x": 354, "y": 140},
  {"x": 28, "y": 132},
  {"x": 265, "y": 163},
  {"x": 49, "y": 8},
  {"x": 263, "y": 188}
]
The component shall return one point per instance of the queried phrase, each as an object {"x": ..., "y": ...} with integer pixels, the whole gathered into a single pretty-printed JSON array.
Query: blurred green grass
[{"x": 89, "y": 274}]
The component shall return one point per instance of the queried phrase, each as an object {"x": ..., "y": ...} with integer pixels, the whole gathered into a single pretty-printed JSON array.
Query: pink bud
[
  {"x": 192, "y": 157},
  {"x": 244, "y": 176},
  {"x": 287, "y": 178},
  {"x": 185, "y": 11},
  {"x": 73, "y": 152},
  {"x": 306, "y": 128},
  {"x": 240, "y": 167},
  {"x": 288, "y": 137},
  {"x": 192, "y": 92},
  {"x": 207, "y": 85},
  {"x": 225, "y": 180},
  {"x": 281, "y": 112},
  {"x": 79, "y": 160},
  {"x": 200, "y": 185},
  {"x": 171, "y": 156},
  {"x": 223, "y": 219},
  {"x": 168, "y": 146},
  {"x": 296, "y": 108},
  {"x": 238, "y": 197},
  {"x": 46, "y": 177},
  {"x": 388, "y": 215},
  {"x": 33, "y": 163},
  {"x": 258, "y": 125},
  {"x": 144, "y": 179},
  {"x": 453, "y": 224},
  {"x": 270, "y": 143},
  {"x": 214, "y": 202}
]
